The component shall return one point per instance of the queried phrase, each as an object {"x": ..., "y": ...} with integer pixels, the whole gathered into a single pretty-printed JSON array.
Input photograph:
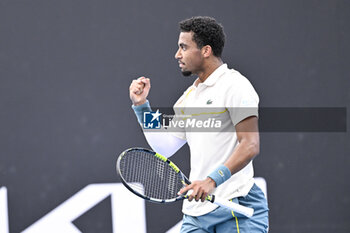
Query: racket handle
[{"x": 246, "y": 211}]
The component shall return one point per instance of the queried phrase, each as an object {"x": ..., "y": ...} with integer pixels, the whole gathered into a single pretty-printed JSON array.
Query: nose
[{"x": 178, "y": 54}]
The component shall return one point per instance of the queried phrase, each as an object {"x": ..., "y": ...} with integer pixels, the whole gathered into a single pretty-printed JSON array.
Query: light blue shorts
[{"x": 222, "y": 220}]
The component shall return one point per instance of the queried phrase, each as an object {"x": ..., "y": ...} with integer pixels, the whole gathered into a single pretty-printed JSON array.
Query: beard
[{"x": 186, "y": 73}]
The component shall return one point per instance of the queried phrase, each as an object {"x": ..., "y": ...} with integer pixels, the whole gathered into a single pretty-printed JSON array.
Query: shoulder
[
  {"x": 237, "y": 90},
  {"x": 233, "y": 79}
]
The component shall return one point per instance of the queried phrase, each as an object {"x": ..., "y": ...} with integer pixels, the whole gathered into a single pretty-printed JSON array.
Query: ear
[{"x": 206, "y": 51}]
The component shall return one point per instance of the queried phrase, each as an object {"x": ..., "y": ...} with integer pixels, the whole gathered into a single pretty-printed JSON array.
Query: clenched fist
[{"x": 139, "y": 90}]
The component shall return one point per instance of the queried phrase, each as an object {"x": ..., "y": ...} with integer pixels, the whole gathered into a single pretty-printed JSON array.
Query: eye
[{"x": 183, "y": 47}]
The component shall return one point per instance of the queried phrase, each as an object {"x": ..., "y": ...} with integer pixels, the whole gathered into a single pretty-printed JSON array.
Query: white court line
[{"x": 4, "y": 219}]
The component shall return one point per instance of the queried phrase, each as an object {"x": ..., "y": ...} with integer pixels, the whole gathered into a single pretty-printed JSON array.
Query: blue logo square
[{"x": 151, "y": 120}]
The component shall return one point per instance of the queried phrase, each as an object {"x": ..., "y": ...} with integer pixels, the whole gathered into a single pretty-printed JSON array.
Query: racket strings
[{"x": 149, "y": 175}]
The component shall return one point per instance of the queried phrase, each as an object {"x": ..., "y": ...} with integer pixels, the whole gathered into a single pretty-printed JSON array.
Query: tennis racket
[{"x": 155, "y": 178}]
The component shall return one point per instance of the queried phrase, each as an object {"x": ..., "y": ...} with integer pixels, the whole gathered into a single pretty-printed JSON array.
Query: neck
[{"x": 208, "y": 69}]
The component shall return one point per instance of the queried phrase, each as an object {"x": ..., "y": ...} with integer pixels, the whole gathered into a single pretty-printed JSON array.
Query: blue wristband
[
  {"x": 220, "y": 175},
  {"x": 140, "y": 109}
]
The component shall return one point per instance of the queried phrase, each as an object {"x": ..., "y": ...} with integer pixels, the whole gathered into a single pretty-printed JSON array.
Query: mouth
[{"x": 181, "y": 64}]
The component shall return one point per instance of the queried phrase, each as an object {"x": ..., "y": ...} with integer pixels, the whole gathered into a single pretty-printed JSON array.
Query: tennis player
[{"x": 221, "y": 162}]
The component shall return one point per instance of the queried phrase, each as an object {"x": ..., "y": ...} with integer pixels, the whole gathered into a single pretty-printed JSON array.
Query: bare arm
[{"x": 249, "y": 144}]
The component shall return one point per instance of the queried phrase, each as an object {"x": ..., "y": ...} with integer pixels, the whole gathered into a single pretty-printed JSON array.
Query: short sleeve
[{"x": 242, "y": 101}]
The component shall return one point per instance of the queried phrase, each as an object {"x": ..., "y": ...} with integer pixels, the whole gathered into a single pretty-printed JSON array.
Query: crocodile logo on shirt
[{"x": 209, "y": 101}]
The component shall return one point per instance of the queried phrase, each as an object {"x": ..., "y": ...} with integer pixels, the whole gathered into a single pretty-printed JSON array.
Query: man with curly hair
[{"x": 221, "y": 162}]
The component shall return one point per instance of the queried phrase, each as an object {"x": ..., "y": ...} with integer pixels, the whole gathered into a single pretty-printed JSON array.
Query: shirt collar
[{"x": 211, "y": 80}]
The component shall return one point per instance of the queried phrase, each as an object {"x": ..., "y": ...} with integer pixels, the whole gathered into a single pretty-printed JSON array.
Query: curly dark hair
[{"x": 206, "y": 31}]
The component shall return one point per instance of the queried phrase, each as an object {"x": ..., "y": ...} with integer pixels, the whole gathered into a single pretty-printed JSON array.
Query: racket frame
[
  {"x": 183, "y": 178},
  {"x": 247, "y": 211}
]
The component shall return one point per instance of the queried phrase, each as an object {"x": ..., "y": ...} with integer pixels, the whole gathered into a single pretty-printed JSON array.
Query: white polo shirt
[{"x": 234, "y": 99}]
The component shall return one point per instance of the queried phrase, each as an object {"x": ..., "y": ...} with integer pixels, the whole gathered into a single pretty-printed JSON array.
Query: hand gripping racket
[{"x": 155, "y": 178}]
